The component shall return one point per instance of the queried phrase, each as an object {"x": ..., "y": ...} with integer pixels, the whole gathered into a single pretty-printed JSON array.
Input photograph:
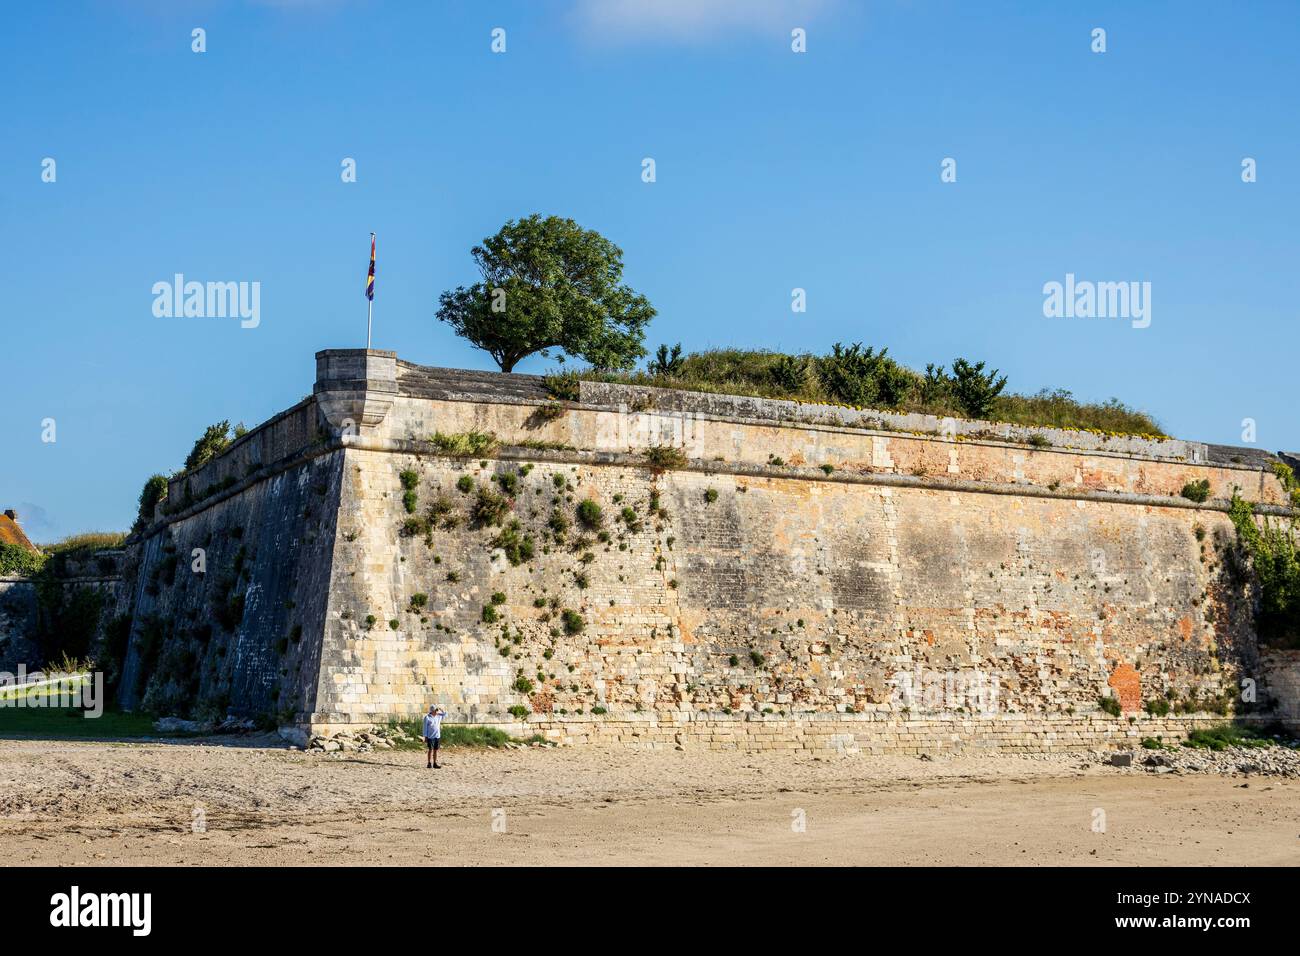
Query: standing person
[{"x": 433, "y": 734}]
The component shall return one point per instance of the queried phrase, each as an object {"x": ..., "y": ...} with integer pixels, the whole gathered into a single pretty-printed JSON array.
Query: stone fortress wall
[{"x": 807, "y": 576}]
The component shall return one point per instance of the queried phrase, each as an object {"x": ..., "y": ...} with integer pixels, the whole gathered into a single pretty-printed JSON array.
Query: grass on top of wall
[
  {"x": 89, "y": 541},
  {"x": 778, "y": 375}
]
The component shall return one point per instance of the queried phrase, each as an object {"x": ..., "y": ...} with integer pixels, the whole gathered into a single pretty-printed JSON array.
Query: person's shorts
[{"x": 431, "y": 741}]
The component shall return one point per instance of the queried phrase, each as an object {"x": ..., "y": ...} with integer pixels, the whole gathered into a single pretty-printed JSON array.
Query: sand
[{"x": 75, "y": 803}]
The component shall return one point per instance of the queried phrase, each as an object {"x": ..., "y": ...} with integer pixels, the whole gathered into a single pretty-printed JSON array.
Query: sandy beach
[{"x": 250, "y": 801}]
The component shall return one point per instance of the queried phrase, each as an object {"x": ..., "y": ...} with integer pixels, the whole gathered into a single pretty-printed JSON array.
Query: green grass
[
  {"x": 68, "y": 723},
  {"x": 68, "y": 683},
  {"x": 464, "y": 444},
  {"x": 88, "y": 541},
  {"x": 1227, "y": 735}
]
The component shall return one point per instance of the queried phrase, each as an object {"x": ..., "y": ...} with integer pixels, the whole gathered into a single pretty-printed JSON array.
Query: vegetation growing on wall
[
  {"x": 852, "y": 375},
  {"x": 20, "y": 561},
  {"x": 154, "y": 490},
  {"x": 1271, "y": 545},
  {"x": 67, "y": 619},
  {"x": 464, "y": 444},
  {"x": 1286, "y": 475},
  {"x": 563, "y": 385},
  {"x": 213, "y": 442}
]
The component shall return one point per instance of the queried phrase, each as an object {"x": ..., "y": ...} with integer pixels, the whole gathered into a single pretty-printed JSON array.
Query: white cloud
[{"x": 693, "y": 20}]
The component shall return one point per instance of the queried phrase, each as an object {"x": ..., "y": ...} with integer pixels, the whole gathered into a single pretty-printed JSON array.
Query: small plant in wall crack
[{"x": 410, "y": 497}]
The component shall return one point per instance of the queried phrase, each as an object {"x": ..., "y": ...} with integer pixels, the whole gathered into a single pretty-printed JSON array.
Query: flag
[{"x": 370, "y": 282}]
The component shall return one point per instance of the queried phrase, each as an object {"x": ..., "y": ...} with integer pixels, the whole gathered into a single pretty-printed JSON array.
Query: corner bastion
[{"x": 748, "y": 574}]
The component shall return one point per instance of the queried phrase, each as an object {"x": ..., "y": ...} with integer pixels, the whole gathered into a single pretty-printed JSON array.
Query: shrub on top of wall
[
  {"x": 214, "y": 440},
  {"x": 154, "y": 490},
  {"x": 564, "y": 386},
  {"x": 17, "y": 560}
]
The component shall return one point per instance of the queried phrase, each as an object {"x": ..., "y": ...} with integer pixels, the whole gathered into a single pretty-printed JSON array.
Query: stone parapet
[{"x": 355, "y": 387}]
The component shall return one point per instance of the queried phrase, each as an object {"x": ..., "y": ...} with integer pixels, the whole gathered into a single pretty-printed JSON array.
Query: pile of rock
[
  {"x": 1277, "y": 761},
  {"x": 345, "y": 741},
  {"x": 231, "y": 725}
]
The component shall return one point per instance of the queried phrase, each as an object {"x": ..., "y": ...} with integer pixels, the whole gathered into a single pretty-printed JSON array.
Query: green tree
[
  {"x": 789, "y": 373},
  {"x": 894, "y": 384},
  {"x": 666, "y": 362},
  {"x": 850, "y": 374},
  {"x": 974, "y": 389},
  {"x": 936, "y": 386},
  {"x": 549, "y": 283}
]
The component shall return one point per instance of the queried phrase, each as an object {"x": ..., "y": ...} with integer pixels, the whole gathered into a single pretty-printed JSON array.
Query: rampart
[{"x": 750, "y": 574}]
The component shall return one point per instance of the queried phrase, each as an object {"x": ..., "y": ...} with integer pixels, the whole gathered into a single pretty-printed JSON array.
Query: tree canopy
[{"x": 547, "y": 283}]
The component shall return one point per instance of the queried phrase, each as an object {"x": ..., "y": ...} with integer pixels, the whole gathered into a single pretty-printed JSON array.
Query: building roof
[{"x": 11, "y": 533}]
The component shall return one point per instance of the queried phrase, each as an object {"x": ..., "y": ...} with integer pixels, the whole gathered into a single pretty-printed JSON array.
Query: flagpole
[{"x": 370, "y": 306}]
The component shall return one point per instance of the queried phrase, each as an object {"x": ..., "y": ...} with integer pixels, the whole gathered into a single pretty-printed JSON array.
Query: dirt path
[{"x": 77, "y": 803}]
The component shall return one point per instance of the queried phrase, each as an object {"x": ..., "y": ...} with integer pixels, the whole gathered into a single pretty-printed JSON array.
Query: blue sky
[{"x": 775, "y": 170}]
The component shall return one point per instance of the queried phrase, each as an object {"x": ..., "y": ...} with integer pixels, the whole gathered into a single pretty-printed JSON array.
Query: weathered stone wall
[
  {"x": 804, "y": 583},
  {"x": 778, "y": 597},
  {"x": 280, "y": 438},
  {"x": 228, "y": 601},
  {"x": 735, "y": 442},
  {"x": 1281, "y": 669},
  {"x": 76, "y": 593},
  {"x": 17, "y": 623}
]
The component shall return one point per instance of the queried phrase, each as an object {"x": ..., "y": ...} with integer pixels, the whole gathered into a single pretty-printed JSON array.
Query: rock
[
  {"x": 172, "y": 725},
  {"x": 296, "y": 735},
  {"x": 1158, "y": 760},
  {"x": 236, "y": 725},
  {"x": 329, "y": 746},
  {"x": 1121, "y": 760}
]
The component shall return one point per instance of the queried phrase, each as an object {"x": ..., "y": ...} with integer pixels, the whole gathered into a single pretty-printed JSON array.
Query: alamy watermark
[
  {"x": 632, "y": 428},
  {"x": 208, "y": 300},
  {"x": 1075, "y": 299},
  {"x": 83, "y": 689},
  {"x": 939, "y": 692}
]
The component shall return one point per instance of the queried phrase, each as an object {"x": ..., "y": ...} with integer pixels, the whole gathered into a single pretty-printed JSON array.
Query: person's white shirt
[{"x": 433, "y": 724}]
